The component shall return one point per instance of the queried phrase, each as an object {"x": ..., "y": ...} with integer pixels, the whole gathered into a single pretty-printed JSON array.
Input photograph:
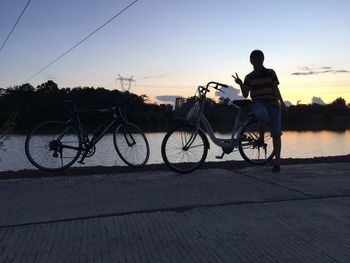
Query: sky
[{"x": 170, "y": 47}]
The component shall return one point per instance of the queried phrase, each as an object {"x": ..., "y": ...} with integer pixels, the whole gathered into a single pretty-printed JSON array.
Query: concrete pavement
[{"x": 213, "y": 215}]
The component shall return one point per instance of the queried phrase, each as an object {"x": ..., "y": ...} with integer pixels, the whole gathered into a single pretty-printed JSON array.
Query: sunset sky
[{"x": 171, "y": 46}]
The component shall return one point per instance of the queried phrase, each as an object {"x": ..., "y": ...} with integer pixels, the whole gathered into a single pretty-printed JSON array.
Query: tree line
[{"x": 33, "y": 105}]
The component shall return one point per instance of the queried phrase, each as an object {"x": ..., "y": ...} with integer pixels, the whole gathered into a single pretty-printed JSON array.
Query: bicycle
[
  {"x": 185, "y": 147},
  {"x": 56, "y": 145}
]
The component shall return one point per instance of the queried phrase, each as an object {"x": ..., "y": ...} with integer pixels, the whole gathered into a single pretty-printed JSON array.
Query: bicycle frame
[
  {"x": 237, "y": 130},
  {"x": 118, "y": 118},
  {"x": 227, "y": 145}
]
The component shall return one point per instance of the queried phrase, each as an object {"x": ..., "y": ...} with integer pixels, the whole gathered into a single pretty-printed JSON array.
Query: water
[{"x": 294, "y": 145}]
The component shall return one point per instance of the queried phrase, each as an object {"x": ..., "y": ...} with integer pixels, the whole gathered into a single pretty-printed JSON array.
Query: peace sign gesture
[{"x": 237, "y": 80}]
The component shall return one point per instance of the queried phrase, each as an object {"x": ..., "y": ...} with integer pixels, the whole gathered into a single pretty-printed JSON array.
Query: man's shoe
[{"x": 276, "y": 169}]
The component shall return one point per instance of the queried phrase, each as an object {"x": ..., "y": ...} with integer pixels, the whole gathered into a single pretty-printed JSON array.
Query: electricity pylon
[{"x": 125, "y": 83}]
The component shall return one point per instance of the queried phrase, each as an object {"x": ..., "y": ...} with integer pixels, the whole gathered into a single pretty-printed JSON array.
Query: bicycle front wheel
[
  {"x": 184, "y": 150},
  {"x": 53, "y": 146},
  {"x": 252, "y": 150},
  {"x": 131, "y": 144}
]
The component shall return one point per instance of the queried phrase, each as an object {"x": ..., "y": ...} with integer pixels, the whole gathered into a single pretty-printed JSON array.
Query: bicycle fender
[{"x": 205, "y": 138}]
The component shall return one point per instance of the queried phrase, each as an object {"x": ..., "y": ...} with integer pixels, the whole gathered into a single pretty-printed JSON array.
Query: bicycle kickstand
[
  {"x": 82, "y": 159},
  {"x": 220, "y": 156}
]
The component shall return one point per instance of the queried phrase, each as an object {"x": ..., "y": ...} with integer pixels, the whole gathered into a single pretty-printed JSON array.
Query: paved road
[{"x": 213, "y": 215}]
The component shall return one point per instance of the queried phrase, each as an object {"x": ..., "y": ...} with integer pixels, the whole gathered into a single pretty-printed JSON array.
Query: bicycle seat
[{"x": 242, "y": 103}]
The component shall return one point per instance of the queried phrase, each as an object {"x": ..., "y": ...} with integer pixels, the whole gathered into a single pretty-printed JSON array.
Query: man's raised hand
[{"x": 237, "y": 80}]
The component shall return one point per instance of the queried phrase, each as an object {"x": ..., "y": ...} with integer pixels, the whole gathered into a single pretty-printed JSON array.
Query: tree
[
  {"x": 48, "y": 86},
  {"x": 2, "y": 92},
  {"x": 6, "y": 129},
  {"x": 45, "y": 102},
  {"x": 25, "y": 88},
  {"x": 340, "y": 102}
]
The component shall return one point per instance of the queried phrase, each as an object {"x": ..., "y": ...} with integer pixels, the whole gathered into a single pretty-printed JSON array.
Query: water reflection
[{"x": 295, "y": 145}]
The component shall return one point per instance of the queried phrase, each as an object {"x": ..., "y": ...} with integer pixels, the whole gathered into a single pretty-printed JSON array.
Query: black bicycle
[{"x": 56, "y": 145}]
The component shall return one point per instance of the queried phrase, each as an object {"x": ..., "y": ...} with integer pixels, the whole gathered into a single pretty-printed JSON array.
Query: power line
[
  {"x": 8, "y": 36},
  {"x": 81, "y": 41}
]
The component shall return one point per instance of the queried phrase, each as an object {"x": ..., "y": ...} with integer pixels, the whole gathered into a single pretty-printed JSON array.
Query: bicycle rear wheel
[
  {"x": 53, "y": 146},
  {"x": 249, "y": 147},
  {"x": 179, "y": 158},
  {"x": 131, "y": 144}
]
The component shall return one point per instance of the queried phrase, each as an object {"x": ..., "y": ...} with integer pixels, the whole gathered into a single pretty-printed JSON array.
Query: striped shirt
[{"x": 262, "y": 85}]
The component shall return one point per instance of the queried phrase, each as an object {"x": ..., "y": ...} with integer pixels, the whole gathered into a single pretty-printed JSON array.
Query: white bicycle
[{"x": 185, "y": 148}]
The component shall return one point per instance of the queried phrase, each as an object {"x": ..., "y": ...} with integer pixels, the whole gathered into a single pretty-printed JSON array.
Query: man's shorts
[{"x": 271, "y": 115}]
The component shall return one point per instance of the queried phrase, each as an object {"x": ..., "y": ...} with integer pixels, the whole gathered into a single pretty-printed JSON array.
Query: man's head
[{"x": 257, "y": 58}]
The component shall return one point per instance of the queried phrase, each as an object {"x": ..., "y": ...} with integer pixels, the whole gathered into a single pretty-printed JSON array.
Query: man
[{"x": 262, "y": 84}]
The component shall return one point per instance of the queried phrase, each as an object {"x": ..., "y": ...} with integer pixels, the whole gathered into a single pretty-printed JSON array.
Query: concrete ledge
[
  {"x": 229, "y": 165},
  {"x": 211, "y": 215}
]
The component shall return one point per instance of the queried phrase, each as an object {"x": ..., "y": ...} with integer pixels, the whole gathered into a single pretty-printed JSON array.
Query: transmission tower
[{"x": 125, "y": 83}]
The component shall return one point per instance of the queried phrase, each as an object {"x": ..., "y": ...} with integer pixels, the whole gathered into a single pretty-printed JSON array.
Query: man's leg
[
  {"x": 275, "y": 128},
  {"x": 262, "y": 115},
  {"x": 277, "y": 149}
]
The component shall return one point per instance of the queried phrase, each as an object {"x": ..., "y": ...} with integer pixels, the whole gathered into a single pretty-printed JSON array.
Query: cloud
[
  {"x": 341, "y": 71},
  {"x": 317, "y": 100},
  {"x": 231, "y": 93},
  {"x": 303, "y": 73},
  {"x": 50, "y": 77},
  {"x": 168, "y": 98},
  {"x": 305, "y": 68},
  {"x": 322, "y": 70},
  {"x": 154, "y": 77}
]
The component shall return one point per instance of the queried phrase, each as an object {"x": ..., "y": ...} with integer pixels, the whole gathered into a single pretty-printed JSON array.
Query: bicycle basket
[{"x": 186, "y": 109}]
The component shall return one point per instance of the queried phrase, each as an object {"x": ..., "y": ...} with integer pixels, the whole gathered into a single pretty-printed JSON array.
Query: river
[{"x": 294, "y": 145}]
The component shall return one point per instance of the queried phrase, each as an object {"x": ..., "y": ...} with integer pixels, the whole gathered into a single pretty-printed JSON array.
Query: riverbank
[{"x": 229, "y": 165}]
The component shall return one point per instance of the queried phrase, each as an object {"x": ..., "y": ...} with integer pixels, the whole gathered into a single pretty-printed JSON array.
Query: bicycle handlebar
[
  {"x": 203, "y": 90},
  {"x": 217, "y": 84}
]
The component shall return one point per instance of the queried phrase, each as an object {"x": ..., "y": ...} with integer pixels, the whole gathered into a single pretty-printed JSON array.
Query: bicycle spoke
[
  {"x": 180, "y": 158},
  {"x": 131, "y": 145},
  {"x": 252, "y": 150},
  {"x": 42, "y": 144}
]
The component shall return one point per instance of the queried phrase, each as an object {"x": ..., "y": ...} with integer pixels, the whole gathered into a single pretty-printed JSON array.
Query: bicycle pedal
[{"x": 81, "y": 162}]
